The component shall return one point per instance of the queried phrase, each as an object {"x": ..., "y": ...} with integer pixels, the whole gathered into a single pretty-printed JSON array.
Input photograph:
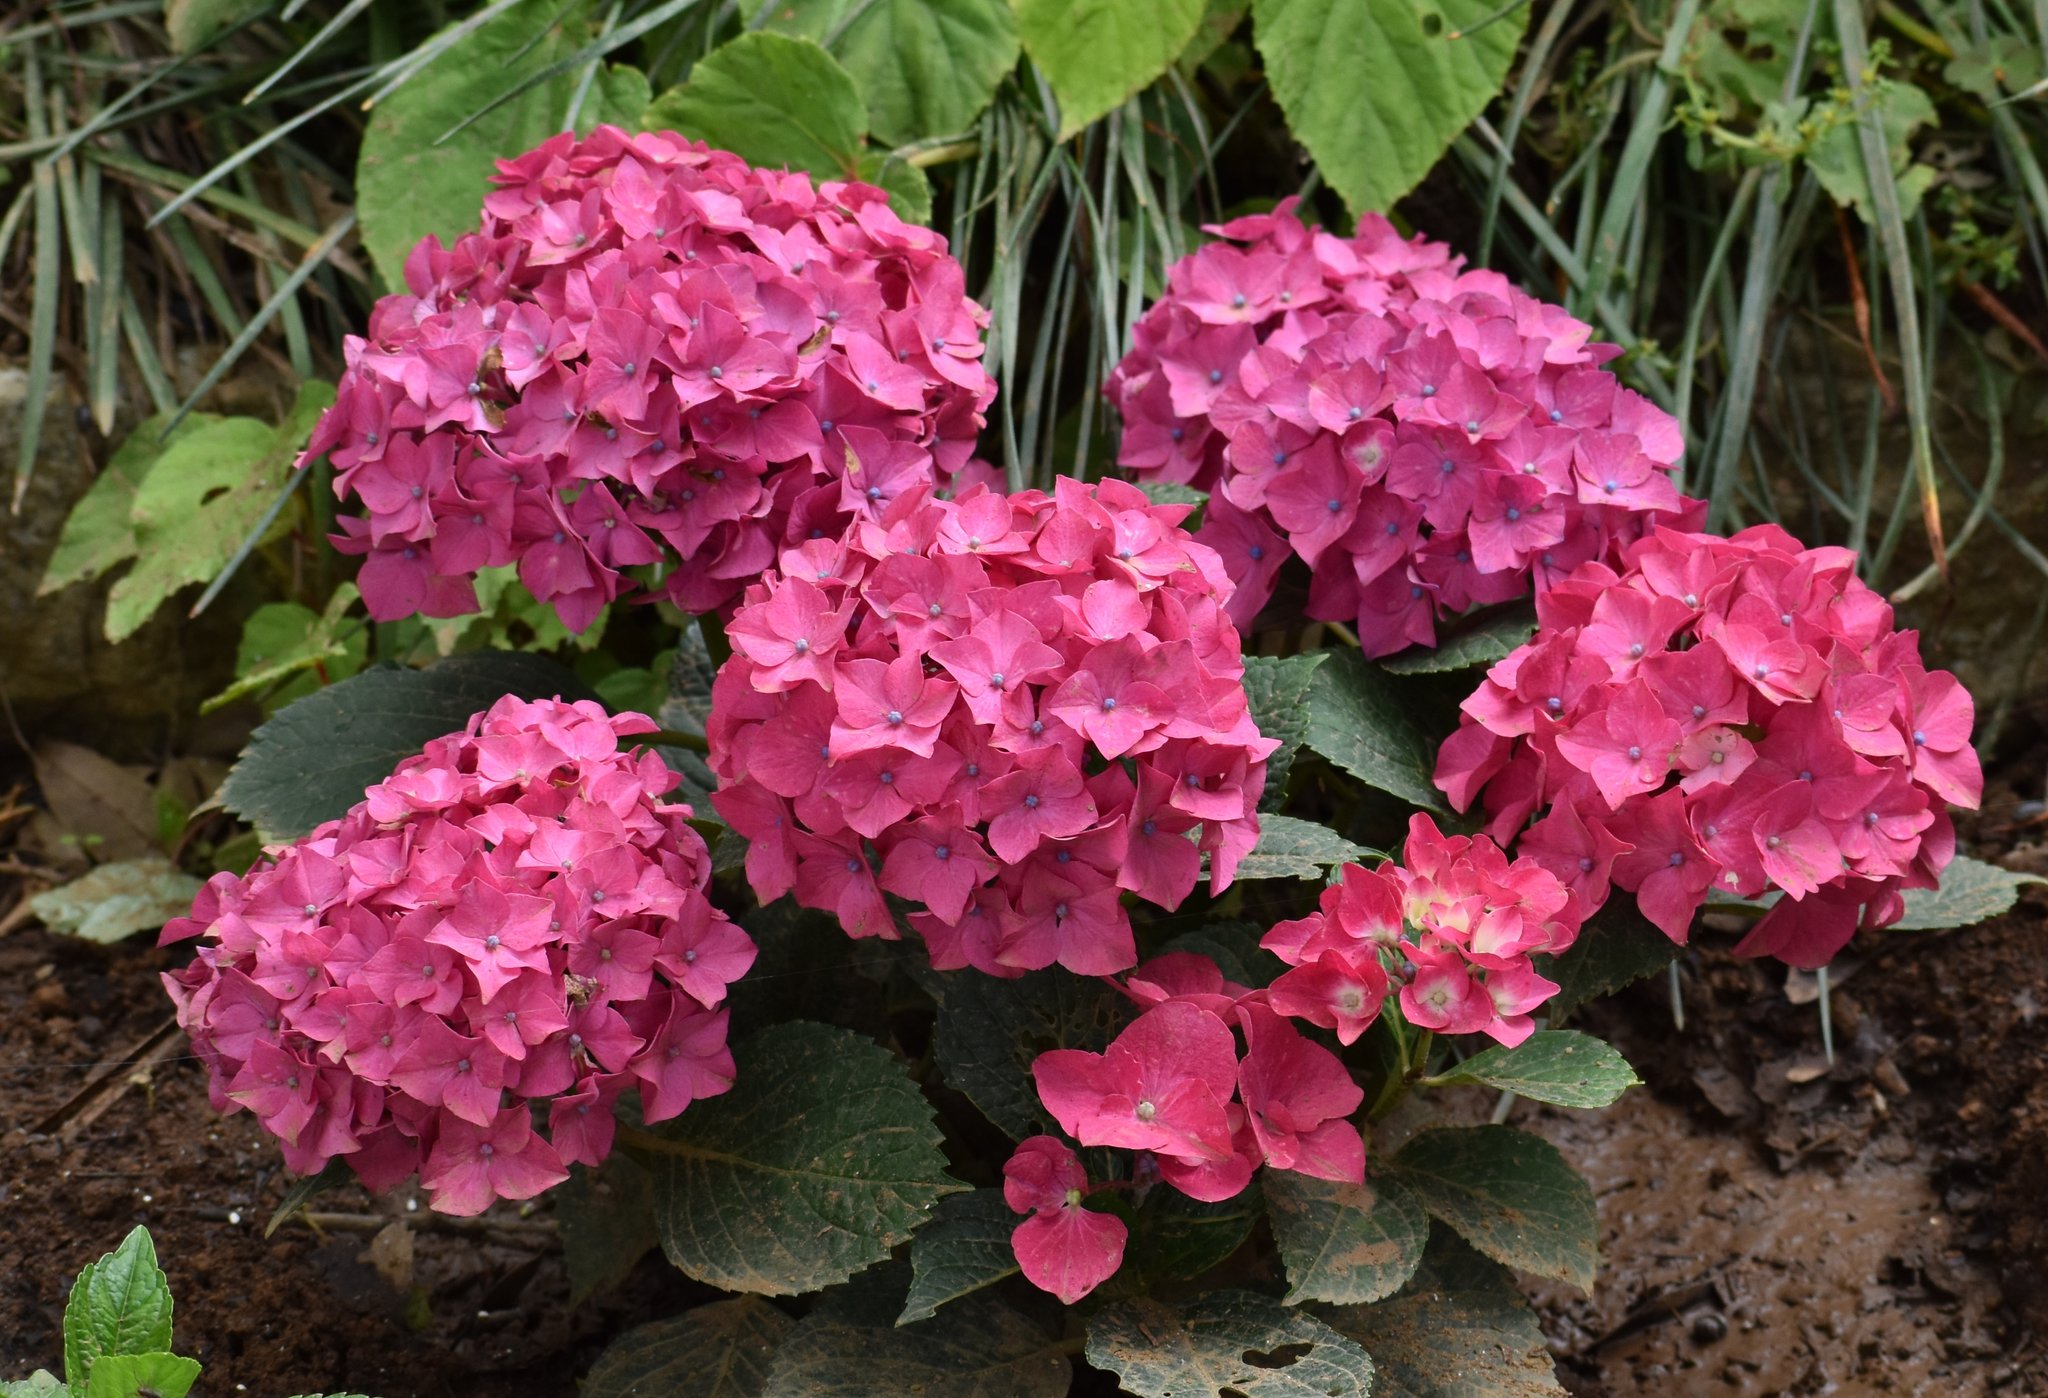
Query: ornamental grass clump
[
  {"x": 463, "y": 974},
  {"x": 1007, "y": 710},
  {"x": 1426, "y": 439},
  {"x": 1724, "y": 714},
  {"x": 650, "y": 352}
]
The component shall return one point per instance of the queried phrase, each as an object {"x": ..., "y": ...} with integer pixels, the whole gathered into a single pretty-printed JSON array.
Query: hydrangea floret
[
  {"x": 1214, "y": 1080},
  {"x": 1735, "y": 714},
  {"x": 1007, "y": 710},
  {"x": 462, "y": 975},
  {"x": 649, "y": 352},
  {"x": 1426, "y": 438}
]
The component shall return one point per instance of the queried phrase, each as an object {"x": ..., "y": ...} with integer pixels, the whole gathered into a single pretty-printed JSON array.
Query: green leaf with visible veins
[
  {"x": 990, "y": 1030},
  {"x": 717, "y": 1351},
  {"x": 120, "y": 1304},
  {"x": 606, "y": 1217},
  {"x": 1275, "y": 689},
  {"x": 822, "y": 1158},
  {"x": 98, "y": 535},
  {"x": 964, "y": 1248},
  {"x": 774, "y": 100},
  {"x": 1098, "y": 53},
  {"x": 1560, "y": 1066},
  {"x": 1617, "y": 947},
  {"x": 1378, "y": 89},
  {"x": 1355, "y": 720},
  {"x": 1345, "y": 1243},
  {"x": 1227, "y": 1342},
  {"x": 979, "y": 1347},
  {"x": 154, "y": 1375},
  {"x": 1296, "y": 849},
  {"x": 1510, "y": 1194},
  {"x": 1480, "y": 643},
  {"x": 41, "y": 1384},
  {"x": 1971, "y": 891}
]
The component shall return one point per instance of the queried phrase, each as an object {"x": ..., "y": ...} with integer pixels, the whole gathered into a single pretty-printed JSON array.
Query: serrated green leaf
[
  {"x": 1491, "y": 638},
  {"x": 201, "y": 498},
  {"x": 1509, "y": 1194},
  {"x": 314, "y": 759},
  {"x": 120, "y": 1304},
  {"x": 1837, "y": 160},
  {"x": 1355, "y": 720},
  {"x": 1375, "y": 140},
  {"x": 964, "y": 1248},
  {"x": 1616, "y": 948},
  {"x": 1174, "y": 1238},
  {"x": 1097, "y": 53},
  {"x": 717, "y": 1351},
  {"x": 156, "y": 1375},
  {"x": 305, "y": 1189},
  {"x": 1232, "y": 944},
  {"x": 97, "y": 533},
  {"x": 774, "y": 100},
  {"x": 1296, "y": 849},
  {"x": 1560, "y": 1066},
  {"x": 41, "y": 1384},
  {"x": 281, "y": 640},
  {"x": 990, "y": 1030},
  {"x": 690, "y": 675},
  {"x": 117, "y": 900},
  {"x": 822, "y": 1158},
  {"x": 1207, "y": 1349},
  {"x": 407, "y": 186},
  {"x": 1174, "y": 493},
  {"x": 1460, "y": 1329},
  {"x": 1971, "y": 891},
  {"x": 606, "y": 1217},
  {"x": 1345, "y": 1243},
  {"x": 979, "y": 1347},
  {"x": 1276, "y": 689}
]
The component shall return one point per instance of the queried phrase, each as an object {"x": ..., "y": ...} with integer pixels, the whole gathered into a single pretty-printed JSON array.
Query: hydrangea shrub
[
  {"x": 1426, "y": 438},
  {"x": 649, "y": 352}
]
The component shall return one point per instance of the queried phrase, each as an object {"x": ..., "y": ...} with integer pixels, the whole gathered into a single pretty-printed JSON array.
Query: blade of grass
[
  {"x": 586, "y": 57},
  {"x": 341, "y": 20},
  {"x": 42, "y": 339},
  {"x": 1624, "y": 199},
  {"x": 1710, "y": 277},
  {"x": 1994, "y": 472},
  {"x": 103, "y": 323},
  {"x": 1534, "y": 66},
  {"x": 162, "y": 397}
]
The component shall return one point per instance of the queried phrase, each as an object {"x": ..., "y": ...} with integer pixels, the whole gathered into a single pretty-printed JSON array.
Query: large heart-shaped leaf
[
  {"x": 1096, "y": 53},
  {"x": 1510, "y": 1194},
  {"x": 1231, "y": 1343}
]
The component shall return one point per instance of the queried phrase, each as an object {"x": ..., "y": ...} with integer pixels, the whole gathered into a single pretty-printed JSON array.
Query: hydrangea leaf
[
  {"x": 1459, "y": 1329},
  {"x": 1177, "y": 493},
  {"x": 1097, "y": 53},
  {"x": 977, "y": 1348},
  {"x": 910, "y": 193},
  {"x": 314, "y": 759},
  {"x": 120, "y": 1304},
  {"x": 607, "y": 1220},
  {"x": 774, "y": 100},
  {"x": 1275, "y": 688},
  {"x": 1355, "y": 720},
  {"x": 1174, "y": 1238},
  {"x": 822, "y": 1158},
  {"x": 1227, "y": 1342},
  {"x": 1492, "y": 637},
  {"x": 98, "y": 534},
  {"x": 141, "y": 1376},
  {"x": 1560, "y": 1066},
  {"x": 990, "y": 1030},
  {"x": 1296, "y": 849},
  {"x": 117, "y": 900},
  {"x": 408, "y": 186},
  {"x": 964, "y": 1248},
  {"x": 1509, "y": 1194},
  {"x": 1233, "y": 945},
  {"x": 717, "y": 1351},
  {"x": 1345, "y": 1243},
  {"x": 1971, "y": 891},
  {"x": 201, "y": 498},
  {"x": 1617, "y": 947},
  {"x": 1374, "y": 141}
]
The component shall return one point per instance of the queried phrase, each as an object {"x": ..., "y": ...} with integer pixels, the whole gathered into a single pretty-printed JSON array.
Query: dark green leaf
[
  {"x": 1276, "y": 690},
  {"x": 156, "y": 1375},
  {"x": 607, "y": 1220},
  {"x": 964, "y": 1248},
  {"x": 1618, "y": 947},
  {"x": 314, "y": 759},
  {"x": 717, "y": 1351},
  {"x": 1374, "y": 141},
  {"x": 1460, "y": 1329},
  {"x": 1296, "y": 849},
  {"x": 775, "y": 100},
  {"x": 1233, "y": 946},
  {"x": 1491, "y": 638},
  {"x": 1228, "y": 1344},
  {"x": 1510, "y": 1194},
  {"x": 688, "y": 706},
  {"x": 990, "y": 1030},
  {"x": 1560, "y": 1066},
  {"x": 1356, "y": 722},
  {"x": 821, "y": 1159},
  {"x": 1175, "y": 1238},
  {"x": 1097, "y": 53},
  {"x": 120, "y": 1304},
  {"x": 1345, "y": 1243},
  {"x": 333, "y": 1175},
  {"x": 1971, "y": 891},
  {"x": 977, "y": 1348}
]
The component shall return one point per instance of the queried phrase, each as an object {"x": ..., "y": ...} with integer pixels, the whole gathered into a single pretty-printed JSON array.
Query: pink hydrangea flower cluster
[
  {"x": 513, "y": 925},
  {"x": 649, "y": 352},
  {"x": 1026, "y": 705},
  {"x": 1425, "y": 438},
  {"x": 1724, "y": 713}
]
